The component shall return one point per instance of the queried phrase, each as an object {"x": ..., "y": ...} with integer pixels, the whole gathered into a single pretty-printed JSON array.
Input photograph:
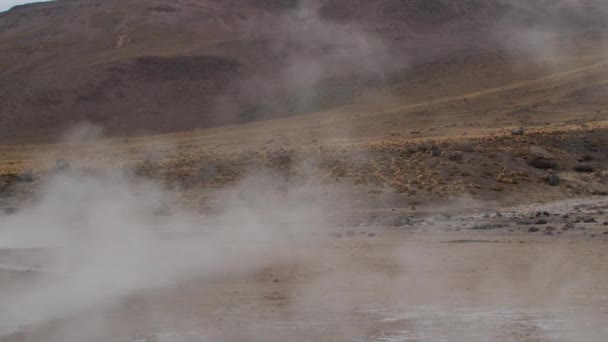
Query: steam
[
  {"x": 317, "y": 64},
  {"x": 105, "y": 239},
  {"x": 546, "y": 32}
]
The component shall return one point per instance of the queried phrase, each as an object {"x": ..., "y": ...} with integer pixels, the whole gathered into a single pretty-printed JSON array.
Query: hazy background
[{"x": 5, "y": 5}]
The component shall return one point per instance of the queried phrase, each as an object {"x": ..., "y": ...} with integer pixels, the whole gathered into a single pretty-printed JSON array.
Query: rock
[
  {"x": 393, "y": 221},
  {"x": 27, "y": 176},
  {"x": 371, "y": 235},
  {"x": 4, "y": 186},
  {"x": 518, "y": 131},
  {"x": 606, "y": 223},
  {"x": 424, "y": 147},
  {"x": 569, "y": 226},
  {"x": 10, "y": 211},
  {"x": 61, "y": 165},
  {"x": 586, "y": 168},
  {"x": 589, "y": 220},
  {"x": 533, "y": 230},
  {"x": 540, "y": 222},
  {"x": 540, "y": 158},
  {"x": 488, "y": 226},
  {"x": 435, "y": 151},
  {"x": 208, "y": 173},
  {"x": 456, "y": 156},
  {"x": 553, "y": 180},
  {"x": 465, "y": 146}
]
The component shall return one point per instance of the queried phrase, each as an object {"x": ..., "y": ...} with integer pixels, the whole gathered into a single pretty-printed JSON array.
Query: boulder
[
  {"x": 553, "y": 180},
  {"x": 27, "y": 176},
  {"x": 518, "y": 131},
  {"x": 540, "y": 158}
]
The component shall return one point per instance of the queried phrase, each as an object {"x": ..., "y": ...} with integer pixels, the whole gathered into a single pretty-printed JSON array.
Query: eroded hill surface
[{"x": 160, "y": 66}]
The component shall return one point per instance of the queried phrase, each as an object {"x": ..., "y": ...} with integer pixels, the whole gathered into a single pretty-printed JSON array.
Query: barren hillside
[{"x": 160, "y": 66}]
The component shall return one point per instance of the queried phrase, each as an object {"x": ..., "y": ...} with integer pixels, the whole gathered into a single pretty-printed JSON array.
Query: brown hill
[{"x": 157, "y": 66}]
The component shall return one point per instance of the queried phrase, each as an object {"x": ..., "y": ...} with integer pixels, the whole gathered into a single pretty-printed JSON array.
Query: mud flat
[{"x": 477, "y": 277}]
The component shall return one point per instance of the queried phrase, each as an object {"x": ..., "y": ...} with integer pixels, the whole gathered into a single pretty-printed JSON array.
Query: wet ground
[{"x": 522, "y": 274}]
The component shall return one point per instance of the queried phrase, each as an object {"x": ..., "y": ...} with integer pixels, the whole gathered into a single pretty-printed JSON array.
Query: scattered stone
[
  {"x": 436, "y": 151},
  {"x": 569, "y": 226},
  {"x": 393, "y": 221},
  {"x": 10, "y": 211},
  {"x": 586, "y": 168},
  {"x": 4, "y": 186},
  {"x": 600, "y": 193},
  {"x": 553, "y": 180},
  {"x": 27, "y": 176},
  {"x": 456, "y": 156},
  {"x": 488, "y": 226},
  {"x": 61, "y": 165},
  {"x": 350, "y": 233},
  {"x": 589, "y": 220},
  {"x": 524, "y": 223},
  {"x": 540, "y": 222},
  {"x": 540, "y": 158},
  {"x": 337, "y": 235},
  {"x": 208, "y": 173},
  {"x": 276, "y": 280},
  {"x": 466, "y": 146},
  {"x": 606, "y": 223},
  {"x": 371, "y": 235},
  {"x": 533, "y": 230},
  {"x": 518, "y": 131}
]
